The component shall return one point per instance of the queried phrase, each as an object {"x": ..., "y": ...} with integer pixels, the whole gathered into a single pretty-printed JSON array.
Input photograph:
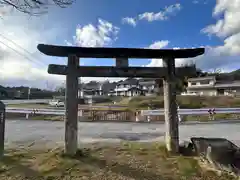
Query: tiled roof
[
  {"x": 147, "y": 82},
  {"x": 226, "y": 84},
  {"x": 202, "y": 78},
  {"x": 130, "y": 81}
]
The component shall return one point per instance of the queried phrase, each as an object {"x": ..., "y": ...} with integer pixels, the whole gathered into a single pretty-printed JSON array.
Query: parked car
[
  {"x": 189, "y": 94},
  {"x": 57, "y": 103}
]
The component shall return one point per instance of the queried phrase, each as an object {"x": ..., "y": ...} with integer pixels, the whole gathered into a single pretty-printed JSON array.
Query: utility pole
[
  {"x": 29, "y": 92},
  {"x": 80, "y": 88}
]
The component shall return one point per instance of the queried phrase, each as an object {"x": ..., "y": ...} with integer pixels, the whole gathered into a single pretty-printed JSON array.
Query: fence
[
  {"x": 108, "y": 115},
  {"x": 195, "y": 114},
  {"x": 124, "y": 115}
]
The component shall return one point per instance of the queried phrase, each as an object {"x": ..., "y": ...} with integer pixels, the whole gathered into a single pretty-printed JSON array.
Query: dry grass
[
  {"x": 124, "y": 101},
  {"x": 124, "y": 161}
]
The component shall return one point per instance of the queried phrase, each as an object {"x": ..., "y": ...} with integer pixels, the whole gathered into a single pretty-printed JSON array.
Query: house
[
  {"x": 128, "y": 87},
  {"x": 90, "y": 89},
  {"x": 148, "y": 85},
  {"x": 210, "y": 86}
]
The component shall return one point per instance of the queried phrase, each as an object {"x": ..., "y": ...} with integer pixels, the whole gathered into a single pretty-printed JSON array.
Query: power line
[
  {"x": 26, "y": 51},
  {"x": 21, "y": 54},
  {"x": 15, "y": 44}
]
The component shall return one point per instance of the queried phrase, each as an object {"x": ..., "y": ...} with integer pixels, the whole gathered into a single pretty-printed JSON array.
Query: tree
[{"x": 34, "y": 7}]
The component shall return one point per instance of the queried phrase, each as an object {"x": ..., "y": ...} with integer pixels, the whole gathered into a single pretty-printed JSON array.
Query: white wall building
[{"x": 209, "y": 86}]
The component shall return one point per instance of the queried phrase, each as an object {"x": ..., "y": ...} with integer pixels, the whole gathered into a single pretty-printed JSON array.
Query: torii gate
[{"x": 72, "y": 71}]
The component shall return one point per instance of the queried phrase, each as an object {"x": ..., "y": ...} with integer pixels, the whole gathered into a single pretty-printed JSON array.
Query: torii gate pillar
[
  {"x": 71, "y": 103},
  {"x": 170, "y": 106}
]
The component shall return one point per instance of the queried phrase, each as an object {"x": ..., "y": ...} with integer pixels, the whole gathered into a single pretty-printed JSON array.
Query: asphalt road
[{"x": 51, "y": 134}]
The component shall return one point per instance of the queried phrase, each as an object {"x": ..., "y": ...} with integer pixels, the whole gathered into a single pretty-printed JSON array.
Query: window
[
  {"x": 193, "y": 83},
  {"x": 204, "y": 82}
]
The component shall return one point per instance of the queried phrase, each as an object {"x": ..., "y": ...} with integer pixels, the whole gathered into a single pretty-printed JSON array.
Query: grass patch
[
  {"x": 216, "y": 117},
  {"x": 124, "y": 101},
  {"x": 143, "y": 102},
  {"x": 123, "y": 161},
  {"x": 47, "y": 117}
]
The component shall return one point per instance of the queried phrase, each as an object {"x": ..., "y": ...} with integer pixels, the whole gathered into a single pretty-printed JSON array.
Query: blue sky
[
  {"x": 140, "y": 24},
  {"x": 182, "y": 29}
]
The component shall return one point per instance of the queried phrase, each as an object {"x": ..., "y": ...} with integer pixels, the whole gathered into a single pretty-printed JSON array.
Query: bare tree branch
[{"x": 34, "y": 7}]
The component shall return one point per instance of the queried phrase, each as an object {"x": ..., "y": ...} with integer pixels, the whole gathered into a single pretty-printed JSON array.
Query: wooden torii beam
[
  {"x": 73, "y": 71},
  {"x": 108, "y": 71}
]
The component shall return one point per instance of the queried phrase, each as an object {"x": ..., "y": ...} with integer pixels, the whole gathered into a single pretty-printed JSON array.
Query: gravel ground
[{"x": 51, "y": 134}]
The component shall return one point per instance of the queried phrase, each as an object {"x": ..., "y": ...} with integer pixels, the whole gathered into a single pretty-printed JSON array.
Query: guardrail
[
  {"x": 181, "y": 112},
  {"x": 157, "y": 112},
  {"x": 35, "y": 111},
  {"x": 25, "y": 101},
  {"x": 211, "y": 112},
  {"x": 201, "y": 111}
]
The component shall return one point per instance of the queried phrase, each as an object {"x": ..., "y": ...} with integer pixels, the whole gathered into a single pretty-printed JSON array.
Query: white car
[
  {"x": 57, "y": 103},
  {"x": 189, "y": 94}
]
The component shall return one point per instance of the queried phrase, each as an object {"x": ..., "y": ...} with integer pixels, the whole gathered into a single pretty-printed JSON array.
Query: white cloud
[
  {"x": 158, "y": 62},
  {"x": 101, "y": 79},
  {"x": 224, "y": 56},
  {"x": 24, "y": 65},
  {"x": 159, "y": 44},
  {"x": 230, "y": 24},
  {"x": 161, "y": 15},
  {"x": 200, "y": 2},
  {"x": 152, "y": 16},
  {"x": 17, "y": 73},
  {"x": 130, "y": 21},
  {"x": 195, "y": 2},
  {"x": 103, "y": 34},
  {"x": 21, "y": 63}
]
